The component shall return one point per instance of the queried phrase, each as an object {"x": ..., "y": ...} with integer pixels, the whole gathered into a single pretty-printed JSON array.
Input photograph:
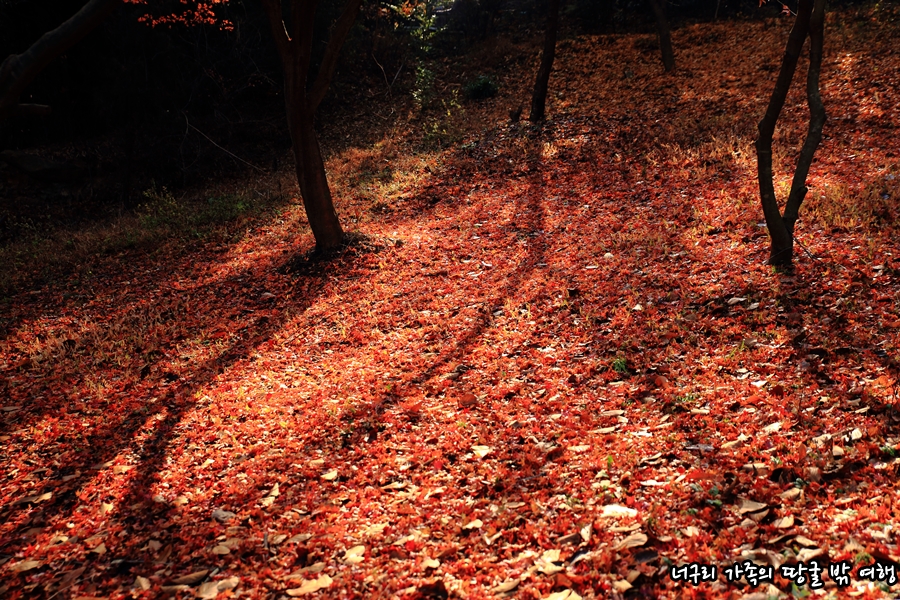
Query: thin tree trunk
[
  {"x": 302, "y": 98},
  {"x": 314, "y": 189},
  {"x": 816, "y": 117},
  {"x": 782, "y": 246},
  {"x": 19, "y": 70},
  {"x": 539, "y": 98},
  {"x": 665, "y": 36}
]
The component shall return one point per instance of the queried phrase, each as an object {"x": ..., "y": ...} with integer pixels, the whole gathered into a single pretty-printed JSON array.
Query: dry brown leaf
[
  {"x": 481, "y": 451},
  {"x": 229, "y": 583},
  {"x": 191, "y": 578},
  {"x": 563, "y": 595},
  {"x": 355, "y": 555},
  {"x": 808, "y": 554},
  {"x": 585, "y": 532},
  {"x": 34, "y": 499},
  {"x": 632, "y": 541},
  {"x": 615, "y": 510},
  {"x": 507, "y": 586},
  {"x": 551, "y": 555},
  {"x": 311, "y": 586},
  {"x": 751, "y": 506},
  {"x": 791, "y": 494},
  {"x": 208, "y": 590},
  {"x": 373, "y": 530},
  {"x": 785, "y": 522},
  {"x": 25, "y": 565}
]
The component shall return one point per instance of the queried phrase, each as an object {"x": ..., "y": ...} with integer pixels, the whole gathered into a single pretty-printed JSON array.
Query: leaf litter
[{"x": 416, "y": 423}]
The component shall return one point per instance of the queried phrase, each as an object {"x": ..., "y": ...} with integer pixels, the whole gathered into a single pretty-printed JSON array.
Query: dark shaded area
[{"x": 139, "y": 88}]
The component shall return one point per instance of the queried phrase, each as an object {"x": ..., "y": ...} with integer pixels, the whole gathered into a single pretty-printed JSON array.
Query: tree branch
[
  {"x": 19, "y": 70},
  {"x": 279, "y": 31},
  {"x": 816, "y": 116},
  {"x": 303, "y": 21},
  {"x": 31, "y": 110},
  {"x": 339, "y": 34}
]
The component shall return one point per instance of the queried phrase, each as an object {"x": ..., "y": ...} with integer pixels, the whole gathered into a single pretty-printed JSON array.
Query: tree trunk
[
  {"x": 310, "y": 168},
  {"x": 816, "y": 117},
  {"x": 18, "y": 70},
  {"x": 665, "y": 37},
  {"x": 781, "y": 228},
  {"x": 302, "y": 98},
  {"x": 539, "y": 98}
]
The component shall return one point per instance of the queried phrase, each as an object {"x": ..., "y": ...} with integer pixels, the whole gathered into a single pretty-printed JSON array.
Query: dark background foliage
[{"x": 150, "y": 101}]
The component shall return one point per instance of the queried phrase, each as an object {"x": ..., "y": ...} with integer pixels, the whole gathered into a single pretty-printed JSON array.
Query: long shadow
[
  {"x": 318, "y": 505},
  {"x": 149, "y": 300},
  {"x": 140, "y": 418},
  {"x": 621, "y": 196},
  {"x": 150, "y": 320},
  {"x": 244, "y": 499}
]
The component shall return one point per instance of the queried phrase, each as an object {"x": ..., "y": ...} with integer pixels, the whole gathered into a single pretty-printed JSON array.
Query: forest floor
[{"x": 555, "y": 365}]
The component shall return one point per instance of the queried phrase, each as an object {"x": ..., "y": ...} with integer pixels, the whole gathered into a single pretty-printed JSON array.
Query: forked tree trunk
[
  {"x": 665, "y": 35},
  {"x": 539, "y": 97},
  {"x": 302, "y": 98},
  {"x": 19, "y": 70},
  {"x": 810, "y": 22}
]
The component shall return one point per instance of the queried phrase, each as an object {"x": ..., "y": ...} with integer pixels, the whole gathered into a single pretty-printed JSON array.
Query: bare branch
[
  {"x": 816, "y": 116},
  {"x": 32, "y": 110},
  {"x": 19, "y": 70},
  {"x": 279, "y": 31},
  {"x": 339, "y": 34},
  {"x": 302, "y": 26}
]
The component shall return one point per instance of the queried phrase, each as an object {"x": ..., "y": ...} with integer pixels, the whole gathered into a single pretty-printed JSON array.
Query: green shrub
[
  {"x": 480, "y": 88},
  {"x": 423, "y": 93}
]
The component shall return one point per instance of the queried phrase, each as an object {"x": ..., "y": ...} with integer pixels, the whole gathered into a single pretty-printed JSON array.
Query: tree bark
[
  {"x": 314, "y": 189},
  {"x": 816, "y": 117},
  {"x": 19, "y": 70},
  {"x": 665, "y": 36},
  {"x": 302, "y": 98},
  {"x": 539, "y": 98},
  {"x": 782, "y": 241}
]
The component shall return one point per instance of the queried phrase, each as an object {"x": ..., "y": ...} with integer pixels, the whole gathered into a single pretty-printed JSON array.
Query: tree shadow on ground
[{"x": 166, "y": 335}]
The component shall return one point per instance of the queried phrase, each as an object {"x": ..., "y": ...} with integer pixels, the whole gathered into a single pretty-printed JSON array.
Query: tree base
[
  {"x": 781, "y": 257},
  {"x": 355, "y": 243}
]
